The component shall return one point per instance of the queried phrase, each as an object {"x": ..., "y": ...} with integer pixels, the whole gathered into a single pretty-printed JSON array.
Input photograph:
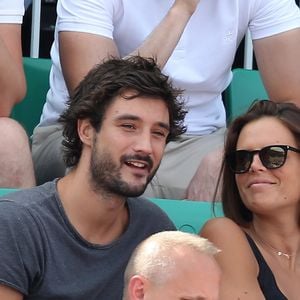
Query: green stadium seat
[
  {"x": 5, "y": 191},
  {"x": 245, "y": 87},
  {"x": 28, "y": 111},
  {"x": 188, "y": 216}
]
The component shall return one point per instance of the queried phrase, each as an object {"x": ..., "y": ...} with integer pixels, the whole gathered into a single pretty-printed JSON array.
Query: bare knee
[
  {"x": 213, "y": 159},
  {"x": 16, "y": 168},
  {"x": 204, "y": 183},
  {"x": 12, "y": 132}
]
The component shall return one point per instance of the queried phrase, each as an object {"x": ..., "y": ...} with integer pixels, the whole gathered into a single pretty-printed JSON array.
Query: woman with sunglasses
[{"x": 260, "y": 233}]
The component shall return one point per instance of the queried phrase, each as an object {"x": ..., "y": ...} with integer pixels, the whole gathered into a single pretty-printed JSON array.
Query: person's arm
[
  {"x": 168, "y": 32},
  {"x": 12, "y": 78},
  {"x": 79, "y": 52},
  {"x": 238, "y": 264},
  {"x": 8, "y": 293},
  {"x": 278, "y": 59}
]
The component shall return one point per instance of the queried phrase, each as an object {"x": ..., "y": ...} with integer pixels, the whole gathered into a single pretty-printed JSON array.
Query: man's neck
[{"x": 97, "y": 219}]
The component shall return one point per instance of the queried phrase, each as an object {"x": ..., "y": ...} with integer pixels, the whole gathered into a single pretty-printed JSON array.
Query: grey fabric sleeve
[{"x": 21, "y": 262}]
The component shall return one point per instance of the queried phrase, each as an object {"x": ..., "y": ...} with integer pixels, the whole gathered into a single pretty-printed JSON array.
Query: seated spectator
[
  {"x": 173, "y": 265},
  {"x": 71, "y": 238},
  {"x": 16, "y": 167},
  {"x": 260, "y": 235},
  {"x": 195, "y": 43}
]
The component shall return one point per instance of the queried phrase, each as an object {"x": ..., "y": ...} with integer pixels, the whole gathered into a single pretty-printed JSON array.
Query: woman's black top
[{"x": 265, "y": 276}]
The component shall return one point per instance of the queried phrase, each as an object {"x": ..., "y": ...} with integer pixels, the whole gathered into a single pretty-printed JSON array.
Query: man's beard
[{"x": 106, "y": 175}]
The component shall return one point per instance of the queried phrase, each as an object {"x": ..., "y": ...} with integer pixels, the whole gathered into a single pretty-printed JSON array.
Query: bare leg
[
  {"x": 182, "y": 161},
  {"x": 16, "y": 167},
  {"x": 204, "y": 183}
]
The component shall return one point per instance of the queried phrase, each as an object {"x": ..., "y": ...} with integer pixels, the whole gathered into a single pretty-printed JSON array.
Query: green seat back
[
  {"x": 28, "y": 111},
  {"x": 245, "y": 87},
  {"x": 4, "y": 191},
  {"x": 188, "y": 216}
]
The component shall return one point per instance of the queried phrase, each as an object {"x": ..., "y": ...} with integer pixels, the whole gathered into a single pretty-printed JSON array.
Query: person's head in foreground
[
  {"x": 173, "y": 265},
  {"x": 262, "y": 161},
  {"x": 119, "y": 120}
]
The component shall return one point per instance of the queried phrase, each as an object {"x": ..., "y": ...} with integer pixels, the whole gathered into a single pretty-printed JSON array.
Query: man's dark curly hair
[{"x": 103, "y": 84}]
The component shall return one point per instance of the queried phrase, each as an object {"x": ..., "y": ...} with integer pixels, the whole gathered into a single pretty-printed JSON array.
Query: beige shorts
[
  {"x": 180, "y": 162},
  {"x": 47, "y": 153}
]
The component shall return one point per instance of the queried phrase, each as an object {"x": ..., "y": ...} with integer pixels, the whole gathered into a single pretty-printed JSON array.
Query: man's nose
[{"x": 143, "y": 143}]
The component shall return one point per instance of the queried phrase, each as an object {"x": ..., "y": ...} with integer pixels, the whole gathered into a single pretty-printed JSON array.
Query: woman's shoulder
[
  {"x": 236, "y": 259},
  {"x": 220, "y": 225},
  {"x": 227, "y": 235}
]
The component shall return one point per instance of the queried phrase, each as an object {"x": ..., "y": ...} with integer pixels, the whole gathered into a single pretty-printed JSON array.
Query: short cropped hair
[
  {"x": 154, "y": 257},
  {"x": 103, "y": 84},
  {"x": 289, "y": 115}
]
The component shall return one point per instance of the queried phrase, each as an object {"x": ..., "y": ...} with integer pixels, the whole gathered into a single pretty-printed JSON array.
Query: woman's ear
[{"x": 85, "y": 131}]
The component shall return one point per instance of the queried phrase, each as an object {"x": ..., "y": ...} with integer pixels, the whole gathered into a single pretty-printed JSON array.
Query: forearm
[
  {"x": 12, "y": 78},
  {"x": 12, "y": 84},
  {"x": 162, "y": 41},
  {"x": 88, "y": 49}
]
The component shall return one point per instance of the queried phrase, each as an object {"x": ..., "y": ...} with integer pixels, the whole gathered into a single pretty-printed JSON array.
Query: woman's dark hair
[
  {"x": 289, "y": 115},
  {"x": 103, "y": 84}
]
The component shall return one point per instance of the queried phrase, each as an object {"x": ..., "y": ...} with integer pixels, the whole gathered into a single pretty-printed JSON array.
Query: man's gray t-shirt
[{"x": 44, "y": 257}]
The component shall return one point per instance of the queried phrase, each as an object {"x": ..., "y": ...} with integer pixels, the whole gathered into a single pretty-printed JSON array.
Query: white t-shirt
[
  {"x": 202, "y": 60},
  {"x": 11, "y": 11}
]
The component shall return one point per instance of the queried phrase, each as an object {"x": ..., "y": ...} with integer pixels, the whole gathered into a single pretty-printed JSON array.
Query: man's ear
[
  {"x": 136, "y": 287},
  {"x": 85, "y": 131}
]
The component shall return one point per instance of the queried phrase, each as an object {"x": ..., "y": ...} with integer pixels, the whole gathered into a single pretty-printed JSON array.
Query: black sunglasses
[{"x": 272, "y": 157}]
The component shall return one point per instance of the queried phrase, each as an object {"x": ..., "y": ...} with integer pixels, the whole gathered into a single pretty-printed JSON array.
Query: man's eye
[
  {"x": 128, "y": 126},
  {"x": 160, "y": 133}
]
